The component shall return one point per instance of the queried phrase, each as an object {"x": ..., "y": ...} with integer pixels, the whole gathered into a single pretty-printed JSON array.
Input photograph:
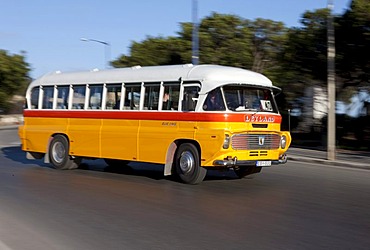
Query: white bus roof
[{"x": 211, "y": 76}]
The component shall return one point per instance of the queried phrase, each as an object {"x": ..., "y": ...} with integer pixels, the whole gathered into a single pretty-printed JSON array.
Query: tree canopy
[
  {"x": 13, "y": 77},
  {"x": 353, "y": 44},
  {"x": 224, "y": 39},
  {"x": 293, "y": 57}
]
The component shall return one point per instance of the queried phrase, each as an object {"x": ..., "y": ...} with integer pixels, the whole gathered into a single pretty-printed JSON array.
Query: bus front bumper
[{"x": 264, "y": 163}]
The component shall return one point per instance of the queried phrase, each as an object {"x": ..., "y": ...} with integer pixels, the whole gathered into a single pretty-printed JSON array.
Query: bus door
[{"x": 190, "y": 94}]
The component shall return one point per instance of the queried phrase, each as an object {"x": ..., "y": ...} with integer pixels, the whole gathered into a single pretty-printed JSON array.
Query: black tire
[
  {"x": 59, "y": 154},
  {"x": 244, "y": 171},
  {"x": 188, "y": 164}
]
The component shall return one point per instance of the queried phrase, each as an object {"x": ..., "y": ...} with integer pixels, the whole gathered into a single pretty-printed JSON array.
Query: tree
[
  {"x": 152, "y": 51},
  {"x": 353, "y": 44},
  {"x": 13, "y": 77},
  {"x": 305, "y": 56},
  {"x": 306, "y": 49},
  {"x": 268, "y": 39},
  {"x": 225, "y": 40}
]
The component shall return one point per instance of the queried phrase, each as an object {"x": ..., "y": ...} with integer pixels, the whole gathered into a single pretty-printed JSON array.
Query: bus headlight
[
  {"x": 283, "y": 142},
  {"x": 226, "y": 142}
]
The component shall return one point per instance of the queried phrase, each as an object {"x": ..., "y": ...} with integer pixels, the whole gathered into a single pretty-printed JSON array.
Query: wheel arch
[
  {"x": 171, "y": 152},
  {"x": 46, "y": 157}
]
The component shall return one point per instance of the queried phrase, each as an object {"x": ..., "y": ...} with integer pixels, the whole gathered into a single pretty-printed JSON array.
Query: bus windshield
[{"x": 246, "y": 98}]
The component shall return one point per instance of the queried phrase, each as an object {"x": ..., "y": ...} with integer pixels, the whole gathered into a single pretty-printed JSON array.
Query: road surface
[{"x": 297, "y": 206}]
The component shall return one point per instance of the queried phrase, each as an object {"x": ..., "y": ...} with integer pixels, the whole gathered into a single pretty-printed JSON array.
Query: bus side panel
[
  {"x": 186, "y": 130},
  {"x": 38, "y": 130},
  {"x": 154, "y": 140},
  {"x": 84, "y": 136},
  {"x": 22, "y": 137},
  {"x": 210, "y": 135},
  {"x": 119, "y": 139}
]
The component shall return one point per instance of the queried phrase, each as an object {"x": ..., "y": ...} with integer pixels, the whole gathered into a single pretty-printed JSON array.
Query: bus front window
[
  {"x": 190, "y": 98},
  {"x": 214, "y": 101},
  {"x": 241, "y": 98}
]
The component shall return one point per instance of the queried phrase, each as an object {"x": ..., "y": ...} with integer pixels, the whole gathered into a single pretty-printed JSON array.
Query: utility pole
[
  {"x": 195, "y": 40},
  {"x": 331, "y": 85}
]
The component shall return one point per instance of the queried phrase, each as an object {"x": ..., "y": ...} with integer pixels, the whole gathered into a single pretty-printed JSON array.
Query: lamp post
[
  {"x": 106, "y": 49},
  {"x": 195, "y": 44},
  {"x": 331, "y": 85}
]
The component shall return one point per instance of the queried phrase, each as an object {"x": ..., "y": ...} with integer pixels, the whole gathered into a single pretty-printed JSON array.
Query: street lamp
[
  {"x": 195, "y": 42},
  {"x": 106, "y": 49}
]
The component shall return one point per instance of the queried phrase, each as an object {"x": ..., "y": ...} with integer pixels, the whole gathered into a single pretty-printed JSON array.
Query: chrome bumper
[{"x": 235, "y": 162}]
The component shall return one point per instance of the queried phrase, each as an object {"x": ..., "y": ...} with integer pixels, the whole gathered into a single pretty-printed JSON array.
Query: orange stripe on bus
[{"x": 155, "y": 115}]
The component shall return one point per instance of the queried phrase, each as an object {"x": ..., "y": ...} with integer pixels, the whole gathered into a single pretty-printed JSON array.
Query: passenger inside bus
[
  {"x": 214, "y": 101},
  {"x": 167, "y": 103}
]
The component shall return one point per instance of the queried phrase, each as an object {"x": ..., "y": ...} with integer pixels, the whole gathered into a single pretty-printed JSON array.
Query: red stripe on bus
[{"x": 155, "y": 115}]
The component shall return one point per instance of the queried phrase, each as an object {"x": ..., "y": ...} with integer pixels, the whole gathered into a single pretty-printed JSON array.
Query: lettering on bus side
[
  {"x": 170, "y": 124},
  {"x": 259, "y": 118}
]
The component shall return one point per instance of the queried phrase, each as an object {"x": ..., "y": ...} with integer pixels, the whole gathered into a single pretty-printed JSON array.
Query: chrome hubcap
[
  {"x": 58, "y": 152},
  {"x": 187, "y": 162}
]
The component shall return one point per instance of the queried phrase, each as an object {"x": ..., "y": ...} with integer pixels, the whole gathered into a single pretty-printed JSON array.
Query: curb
[{"x": 328, "y": 162}]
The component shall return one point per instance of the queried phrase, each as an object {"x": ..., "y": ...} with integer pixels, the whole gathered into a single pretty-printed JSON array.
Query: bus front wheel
[
  {"x": 188, "y": 164},
  {"x": 59, "y": 154}
]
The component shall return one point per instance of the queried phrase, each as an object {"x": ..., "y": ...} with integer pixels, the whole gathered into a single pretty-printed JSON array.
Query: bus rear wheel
[
  {"x": 59, "y": 154},
  {"x": 188, "y": 164}
]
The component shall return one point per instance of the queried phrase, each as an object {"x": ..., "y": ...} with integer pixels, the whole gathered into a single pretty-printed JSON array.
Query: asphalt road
[{"x": 296, "y": 206}]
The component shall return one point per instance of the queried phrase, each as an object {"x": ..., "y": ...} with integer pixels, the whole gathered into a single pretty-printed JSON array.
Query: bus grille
[{"x": 255, "y": 141}]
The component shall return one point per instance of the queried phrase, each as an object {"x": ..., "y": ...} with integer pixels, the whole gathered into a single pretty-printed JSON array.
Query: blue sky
[{"x": 49, "y": 31}]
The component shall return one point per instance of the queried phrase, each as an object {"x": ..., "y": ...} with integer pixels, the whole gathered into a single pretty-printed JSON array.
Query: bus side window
[
  {"x": 63, "y": 94},
  {"x": 78, "y": 101},
  {"x": 95, "y": 98},
  {"x": 151, "y": 96},
  {"x": 132, "y": 97},
  {"x": 47, "y": 97},
  {"x": 35, "y": 92},
  {"x": 190, "y": 98},
  {"x": 171, "y": 96},
  {"x": 113, "y": 96}
]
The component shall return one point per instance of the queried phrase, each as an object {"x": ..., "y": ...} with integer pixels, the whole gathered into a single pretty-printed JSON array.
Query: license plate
[{"x": 263, "y": 163}]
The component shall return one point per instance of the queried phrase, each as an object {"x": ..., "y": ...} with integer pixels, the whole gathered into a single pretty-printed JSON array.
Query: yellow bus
[{"x": 188, "y": 118}]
